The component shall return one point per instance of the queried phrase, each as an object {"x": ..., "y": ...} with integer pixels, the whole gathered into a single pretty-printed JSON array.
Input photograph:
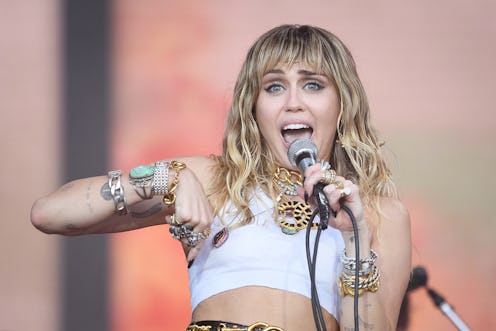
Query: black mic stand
[{"x": 447, "y": 310}]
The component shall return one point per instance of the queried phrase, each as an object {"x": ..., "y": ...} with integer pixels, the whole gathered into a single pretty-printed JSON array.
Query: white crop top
[{"x": 259, "y": 254}]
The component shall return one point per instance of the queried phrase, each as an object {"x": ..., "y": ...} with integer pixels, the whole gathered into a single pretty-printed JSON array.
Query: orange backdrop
[{"x": 428, "y": 69}]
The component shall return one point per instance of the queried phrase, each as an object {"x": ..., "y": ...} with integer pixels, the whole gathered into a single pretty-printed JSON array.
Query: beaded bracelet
[
  {"x": 160, "y": 185},
  {"x": 117, "y": 192},
  {"x": 170, "y": 196}
]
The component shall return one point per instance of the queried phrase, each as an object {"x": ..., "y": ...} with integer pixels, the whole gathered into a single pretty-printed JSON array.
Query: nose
[{"x": 294, "y": 101}]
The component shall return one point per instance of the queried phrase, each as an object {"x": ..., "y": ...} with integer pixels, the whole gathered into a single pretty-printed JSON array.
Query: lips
[{"x": 293, "y": 131}]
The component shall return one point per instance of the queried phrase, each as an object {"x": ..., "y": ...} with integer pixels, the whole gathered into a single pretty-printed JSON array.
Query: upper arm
[{"x": 393, "y": 245}]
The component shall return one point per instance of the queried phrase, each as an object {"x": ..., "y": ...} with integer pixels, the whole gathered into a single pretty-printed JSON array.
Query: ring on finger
[
  {"x": 176, "y": 220},
  {"x": 339, "y": 185},
  {"x": 345, "y": 191},
  {"x": 328, "y": 176},
  {"x": 174, "y": 231},
  {"x": 194, "y": 238},
  {"x": 180, "y": 231}
]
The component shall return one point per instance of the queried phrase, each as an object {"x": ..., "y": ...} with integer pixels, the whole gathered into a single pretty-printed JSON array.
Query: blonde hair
[{"x": 247, "y": 162}]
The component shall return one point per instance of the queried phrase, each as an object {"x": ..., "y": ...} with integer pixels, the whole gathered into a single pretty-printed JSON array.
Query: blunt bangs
[{"x": 294, "y": 44}]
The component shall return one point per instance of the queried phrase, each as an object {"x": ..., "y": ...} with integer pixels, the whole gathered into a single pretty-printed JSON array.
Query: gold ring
[
  {"x": 339, "y": 185},
  {"x": 175, "y": 220},
  {"x": 328, "y": 177}
]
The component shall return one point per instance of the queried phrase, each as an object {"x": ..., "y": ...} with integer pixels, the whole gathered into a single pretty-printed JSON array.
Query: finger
[
  {"x": 312, "y": 176},
  {"x": 333, "y": 196},
  {"x": 193, "y": 252},
  {"x": 335, "y": 191}
]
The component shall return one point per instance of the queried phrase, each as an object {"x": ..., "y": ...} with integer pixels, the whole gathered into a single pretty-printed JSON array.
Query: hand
[
  {"x": 335, "y": 197},
  {"x": 192, "y": 208}
]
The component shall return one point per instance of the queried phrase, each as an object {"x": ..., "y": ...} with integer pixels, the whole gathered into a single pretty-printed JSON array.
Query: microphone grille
[{"x": 302, "y": 145}]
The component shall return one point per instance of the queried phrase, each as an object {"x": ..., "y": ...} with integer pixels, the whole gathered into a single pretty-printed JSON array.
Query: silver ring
[
  {"x": 194, "y": 238},
  {"x": 345, "y": 191},
  {"x": 180, "y": 231}
]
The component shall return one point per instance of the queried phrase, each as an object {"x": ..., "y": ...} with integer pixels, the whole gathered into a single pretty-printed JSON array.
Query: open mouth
[{"x": 291, "y": 132}]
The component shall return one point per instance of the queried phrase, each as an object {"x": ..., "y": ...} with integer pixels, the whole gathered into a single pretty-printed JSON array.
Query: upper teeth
[{"x": 295, "y": 126}]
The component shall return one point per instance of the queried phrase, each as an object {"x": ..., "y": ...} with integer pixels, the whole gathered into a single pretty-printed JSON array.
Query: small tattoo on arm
[
  {"x": 105, "y": 192},
  {"x": 149, "y": 212},
  {"x": 88, "y": 200},
  {"x": 366, "y": 325}
]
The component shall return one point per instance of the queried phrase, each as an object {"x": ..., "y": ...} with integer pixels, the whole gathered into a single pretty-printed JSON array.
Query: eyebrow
[{"x": 301, "y": 72}]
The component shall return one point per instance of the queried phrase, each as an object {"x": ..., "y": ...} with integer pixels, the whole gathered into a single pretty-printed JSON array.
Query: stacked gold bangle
[
  {"x": 368, "y": 279},
  {"x": 369, "y": 283}
]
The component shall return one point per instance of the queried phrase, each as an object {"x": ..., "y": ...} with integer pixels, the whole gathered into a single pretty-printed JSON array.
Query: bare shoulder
[
  {"x": 393, "y": 244},
  {"x": 393, "y": 231},
  {"x": 394, "y": 210},
  {"x": 392, "y": 235}
]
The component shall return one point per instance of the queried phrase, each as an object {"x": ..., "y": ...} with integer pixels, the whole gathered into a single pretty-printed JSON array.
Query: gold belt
[{"x": 259, "y": 326}]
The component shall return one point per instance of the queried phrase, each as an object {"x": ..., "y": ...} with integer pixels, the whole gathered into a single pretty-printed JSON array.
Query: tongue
[{"x": 291, "y": 135}]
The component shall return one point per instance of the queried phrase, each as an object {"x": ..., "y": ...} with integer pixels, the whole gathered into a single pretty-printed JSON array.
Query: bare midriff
[{"x": 250, "y": 304}]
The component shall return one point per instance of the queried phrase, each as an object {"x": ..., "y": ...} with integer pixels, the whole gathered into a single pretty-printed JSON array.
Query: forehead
[{"x": 298, "y": 68}]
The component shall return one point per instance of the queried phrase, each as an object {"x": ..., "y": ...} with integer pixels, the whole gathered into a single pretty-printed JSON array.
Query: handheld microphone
[{"x": 303, "y": 154}]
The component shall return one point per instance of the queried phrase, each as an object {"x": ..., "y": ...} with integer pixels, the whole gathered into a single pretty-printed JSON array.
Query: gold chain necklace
[{"x": 293, "y": 216}]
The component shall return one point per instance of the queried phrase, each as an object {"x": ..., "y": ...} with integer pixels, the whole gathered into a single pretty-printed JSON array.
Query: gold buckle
[
  {"x": 264, "y": 327},
  {"x": 195, "y": 327},
  {"x": 223, "y": 327}
]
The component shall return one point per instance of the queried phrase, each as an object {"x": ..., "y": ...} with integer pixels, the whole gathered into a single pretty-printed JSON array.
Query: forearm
[
  {"x": 86, "y": 206},
  {"x": 371, "y": 314}
]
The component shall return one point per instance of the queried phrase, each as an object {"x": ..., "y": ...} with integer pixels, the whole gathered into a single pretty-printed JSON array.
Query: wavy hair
[{"x": 247, "y": 162}]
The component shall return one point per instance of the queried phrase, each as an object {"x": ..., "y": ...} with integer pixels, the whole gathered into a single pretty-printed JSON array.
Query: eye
[
  {"x": 314, "y": 86},
  {"x": 274, "y": 88}
]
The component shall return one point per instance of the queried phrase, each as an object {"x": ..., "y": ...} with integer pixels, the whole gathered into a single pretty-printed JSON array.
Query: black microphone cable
[{"x": 312, "y": 262}]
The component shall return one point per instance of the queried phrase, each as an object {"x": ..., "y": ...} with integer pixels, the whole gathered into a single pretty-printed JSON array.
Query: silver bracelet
[
  {"x": 160, "y": 183},
  {"x": 365, "y": 265},
  {"x": 117, "y": 192}
]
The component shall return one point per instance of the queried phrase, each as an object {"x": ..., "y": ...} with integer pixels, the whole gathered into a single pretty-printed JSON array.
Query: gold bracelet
[
  {"x": 369, "y": 283},
  {"x": 170, "y": 197}
]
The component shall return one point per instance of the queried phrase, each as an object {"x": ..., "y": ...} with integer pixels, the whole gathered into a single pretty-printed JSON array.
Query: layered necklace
[{"x": 292, "y": 216}]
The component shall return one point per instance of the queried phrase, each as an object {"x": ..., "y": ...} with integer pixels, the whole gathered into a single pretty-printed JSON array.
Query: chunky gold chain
[
  {"x": 259, "y": 326},
  {"x": 170, "y": 198}
]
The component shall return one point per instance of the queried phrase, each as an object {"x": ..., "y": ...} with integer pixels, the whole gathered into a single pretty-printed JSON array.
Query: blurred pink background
[{"x": 429, "y": 72}]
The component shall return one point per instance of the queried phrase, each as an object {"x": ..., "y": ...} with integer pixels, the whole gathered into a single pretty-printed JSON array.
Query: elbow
[{"x": 40, "y": 218}]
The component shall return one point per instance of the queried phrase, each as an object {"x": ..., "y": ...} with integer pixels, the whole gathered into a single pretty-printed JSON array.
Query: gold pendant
[{"x": 293, "y": 216}]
